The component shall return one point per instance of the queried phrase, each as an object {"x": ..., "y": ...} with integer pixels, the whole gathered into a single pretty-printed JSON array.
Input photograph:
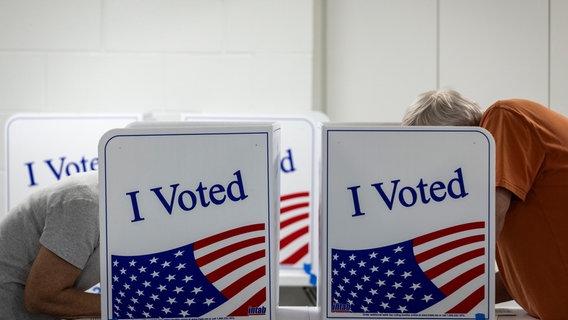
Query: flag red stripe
[
  {"x": 287, "y": 222},
  {"x": 255, "y": 301},
  {"x": 227, "y": 234},
  {"x": 234, "y": 265},
  {"x": 462, "y": 279},
  {"x": 297, "y": 256},
  {"x": 294, "y": 207},
  {"x": 294, "y": 195},
  {"x": 293, "y": 236},
  {"x": 470, "y": 302},
  {"x": 421, "y": 257},
  {"x": 243, "y": 282},
  {"x": 447, "y": 231},
  {"x": 227, "y": 250},
  {"x": 455, "y": 261}
]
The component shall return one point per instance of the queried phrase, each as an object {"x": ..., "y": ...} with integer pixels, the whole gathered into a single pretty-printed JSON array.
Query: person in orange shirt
[{"x": 531, "y": 143}]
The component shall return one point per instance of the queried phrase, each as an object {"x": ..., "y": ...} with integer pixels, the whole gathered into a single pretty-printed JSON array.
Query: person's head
[{"x": 442, "y": 108}]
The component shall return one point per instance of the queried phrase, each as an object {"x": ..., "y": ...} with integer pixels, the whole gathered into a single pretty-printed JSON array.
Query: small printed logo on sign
[
  {"x": 340, "y": 307},
  {"x": 256, "y": 311}
]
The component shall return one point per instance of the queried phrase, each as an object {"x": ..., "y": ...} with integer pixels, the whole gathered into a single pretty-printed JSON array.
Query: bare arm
[
  {"x": 49, "y": 289},
  {"x": 501, "y": 293},
  {"x": 502, "y": 202}
]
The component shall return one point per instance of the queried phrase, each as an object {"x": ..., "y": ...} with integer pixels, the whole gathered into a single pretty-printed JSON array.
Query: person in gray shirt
[{"x": 49, "y": 252}]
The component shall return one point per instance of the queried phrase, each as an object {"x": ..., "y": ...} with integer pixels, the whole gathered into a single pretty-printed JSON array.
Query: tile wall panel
[{"x": 50, "y": 25}]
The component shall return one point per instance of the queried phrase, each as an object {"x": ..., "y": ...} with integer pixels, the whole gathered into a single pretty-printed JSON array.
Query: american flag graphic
[
  {"x": 413, "y": 276},
  {"x": 221, "y": 275},
  {"x": 294, "y": 228}
]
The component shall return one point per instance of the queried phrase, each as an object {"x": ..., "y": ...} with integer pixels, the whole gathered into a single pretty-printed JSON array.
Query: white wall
[
  {"x": 494, "y": 50},
  {"x": 356, "y": 60},
  {"x": 381, "y": 54},
  {"x": 559, "y": 56},
  {"x": 116, "y": 56}
]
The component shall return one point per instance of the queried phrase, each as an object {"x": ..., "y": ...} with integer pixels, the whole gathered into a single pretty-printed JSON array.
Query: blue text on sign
[
  {"x": 62, "y": 167},
  {"x": 187, "y": 200},
  {"x": 408, "y": 196}
]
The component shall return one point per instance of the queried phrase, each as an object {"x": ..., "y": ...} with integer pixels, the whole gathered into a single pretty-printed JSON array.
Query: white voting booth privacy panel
[
  {"x": 188, "y": 221},
  {"x": 44, "y": 148},
  {"x": 300, "y": 158},
  {"x": 407, "y": 223}
]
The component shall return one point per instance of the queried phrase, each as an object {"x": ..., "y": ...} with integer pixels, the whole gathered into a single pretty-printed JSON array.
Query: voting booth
[
  {"x": 189, "y": 221},
  {"x": 300, "y": 155},
  {"x": 407, "y": 223},
  {"x": 44, "y": 148}
]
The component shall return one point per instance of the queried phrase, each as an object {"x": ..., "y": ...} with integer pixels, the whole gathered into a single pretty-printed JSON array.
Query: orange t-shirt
[{"x": 532, "y": 162}]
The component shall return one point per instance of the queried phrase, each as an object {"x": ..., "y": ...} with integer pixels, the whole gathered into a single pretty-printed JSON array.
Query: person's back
[
  {"x": 62, "y": 217},
  {"x": 532, "y": 162}
]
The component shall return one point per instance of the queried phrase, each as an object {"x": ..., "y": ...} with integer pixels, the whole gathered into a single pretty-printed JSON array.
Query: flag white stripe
[
  {"x": 446, "y": 239},
  {"x": 238, "y": 300},
  {"x": 239, "y": 273},
  {"x": 457, "y": 297},
  {"x": 294, "y": 246},
  {"x": 293, "y": 227},
  {"x": 451, "y": 274},
  {"x": 430, "y": 263},
  {"x": 227, "y": 242},
  {"x": 222, "y": 261}
]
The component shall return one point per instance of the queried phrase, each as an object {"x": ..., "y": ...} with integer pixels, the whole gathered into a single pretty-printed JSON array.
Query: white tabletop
[
  {"x": 311, "y": 313},
  {"x": 511, "y": 311},
  {"x": 502, "y": 312}
]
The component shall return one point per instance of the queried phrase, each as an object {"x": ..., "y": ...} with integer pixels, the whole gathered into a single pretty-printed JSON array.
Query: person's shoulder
[
  {"x": 500, "y": 107},
  {"x": 501, "y": 111},
  {"x": 515, "y": 109},
  {"x": 80, "y": 185},
  {"x": 515, "y": 105}
]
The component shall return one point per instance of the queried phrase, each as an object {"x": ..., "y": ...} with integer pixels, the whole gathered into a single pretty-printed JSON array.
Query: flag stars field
[
  {"x": 347, "y": 265},
  {"x": 142, "y": 279}
]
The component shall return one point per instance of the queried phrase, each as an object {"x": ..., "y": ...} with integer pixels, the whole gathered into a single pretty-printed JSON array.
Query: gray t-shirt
[{"x": 64, "y": 218}]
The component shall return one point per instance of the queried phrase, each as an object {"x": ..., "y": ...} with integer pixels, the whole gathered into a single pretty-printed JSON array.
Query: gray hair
[{"x": 442, "y": 108}]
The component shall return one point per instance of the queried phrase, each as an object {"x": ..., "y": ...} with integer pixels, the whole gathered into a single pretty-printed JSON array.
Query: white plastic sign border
[
  {"x": 377, "y": 182},
  {"x": 142, "y": 169}
]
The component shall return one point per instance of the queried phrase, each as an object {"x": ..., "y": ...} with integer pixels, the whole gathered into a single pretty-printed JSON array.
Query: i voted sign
[
  {"x": 299, "y": 189},
  {"x": 45, "y": 148},
  {"x": 189, "y": 221},
  {"x": 407, "y": 222}
]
